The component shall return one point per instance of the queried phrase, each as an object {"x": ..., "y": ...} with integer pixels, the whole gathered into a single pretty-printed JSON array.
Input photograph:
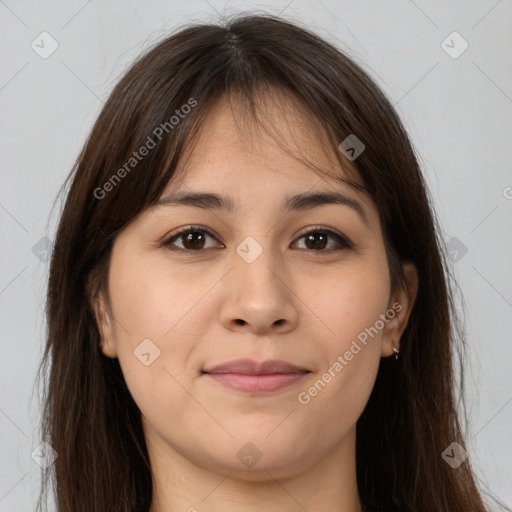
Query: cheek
[
  {"x": 154, "y": 300},
  {"x": 350, "y": 302},
  {"x": 157, "y": 303},
  {"x": 351, "y": 353}
]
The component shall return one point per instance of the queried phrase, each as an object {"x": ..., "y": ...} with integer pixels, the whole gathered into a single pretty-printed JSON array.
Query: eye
[
  {"x": 317, "y": 239},
  {"x": 192, "y": 239}
]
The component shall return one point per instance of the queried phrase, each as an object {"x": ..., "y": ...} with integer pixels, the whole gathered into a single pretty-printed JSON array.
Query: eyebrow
[{"x": 298, "y": 202}]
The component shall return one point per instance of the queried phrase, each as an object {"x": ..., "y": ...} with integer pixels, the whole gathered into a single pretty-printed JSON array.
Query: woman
[{"x": 246, "y": 242}]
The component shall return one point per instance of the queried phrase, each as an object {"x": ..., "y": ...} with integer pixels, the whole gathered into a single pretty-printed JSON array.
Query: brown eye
[
  {"x": 194, "y": 239},
  {"x": 191, "y": 239},
  {"x": 318, "y": 240}
]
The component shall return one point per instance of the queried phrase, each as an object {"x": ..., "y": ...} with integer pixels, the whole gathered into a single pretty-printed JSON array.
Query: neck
[{"x": 328, "y": 484}]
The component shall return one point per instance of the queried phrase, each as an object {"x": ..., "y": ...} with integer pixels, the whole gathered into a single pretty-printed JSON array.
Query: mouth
[{"x": 256, "y": 377}]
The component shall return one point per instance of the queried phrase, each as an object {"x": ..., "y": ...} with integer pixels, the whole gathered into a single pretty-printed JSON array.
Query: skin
[{"x": 299, "y": 304}]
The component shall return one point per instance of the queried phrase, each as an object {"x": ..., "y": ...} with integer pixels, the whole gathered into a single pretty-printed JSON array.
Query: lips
[
  {"x": 256, "y": 377},
  {"x": 250, "y": 367}
]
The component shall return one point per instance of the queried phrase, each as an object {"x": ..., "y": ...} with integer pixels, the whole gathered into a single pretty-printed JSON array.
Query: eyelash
[{"x": 341, "y": 240}]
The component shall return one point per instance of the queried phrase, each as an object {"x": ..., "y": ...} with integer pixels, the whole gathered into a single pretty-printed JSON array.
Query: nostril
[{"x": 239, "y": 321}]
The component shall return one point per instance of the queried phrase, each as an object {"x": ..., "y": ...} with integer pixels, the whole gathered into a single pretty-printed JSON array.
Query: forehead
[
  {"x": 282, "y": 146},
  {"x": 237, "y": 164}
]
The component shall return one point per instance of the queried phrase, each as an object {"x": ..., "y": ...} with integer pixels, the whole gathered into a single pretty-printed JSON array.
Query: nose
[{"x": 259, "y": 297}]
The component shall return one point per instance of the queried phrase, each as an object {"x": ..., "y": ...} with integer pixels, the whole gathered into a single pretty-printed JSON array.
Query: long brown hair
[{"x": 89, "y": 416}]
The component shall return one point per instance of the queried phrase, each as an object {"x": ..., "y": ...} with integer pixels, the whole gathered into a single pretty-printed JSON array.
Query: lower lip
[{"x": 257, "y": 383}]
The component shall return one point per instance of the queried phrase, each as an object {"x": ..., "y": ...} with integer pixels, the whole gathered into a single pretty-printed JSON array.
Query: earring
[{"x": 396, "y": 350}]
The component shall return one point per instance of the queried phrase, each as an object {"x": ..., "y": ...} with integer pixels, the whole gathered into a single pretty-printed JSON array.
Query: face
[{"x": 198, "y": 284}]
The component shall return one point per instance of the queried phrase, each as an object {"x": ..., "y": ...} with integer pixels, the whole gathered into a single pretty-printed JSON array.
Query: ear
[
  {"x": 399, "y": 309},
  {"x": 104, "y": 321}
]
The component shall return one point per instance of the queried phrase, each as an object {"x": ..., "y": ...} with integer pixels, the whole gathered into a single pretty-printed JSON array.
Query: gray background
[{"x": 457, "y": 110}]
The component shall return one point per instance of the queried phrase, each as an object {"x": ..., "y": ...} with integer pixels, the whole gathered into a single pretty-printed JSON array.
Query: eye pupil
[
  {"x": 318, "y": 244},
  {"x": 196, "y": 238}
]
